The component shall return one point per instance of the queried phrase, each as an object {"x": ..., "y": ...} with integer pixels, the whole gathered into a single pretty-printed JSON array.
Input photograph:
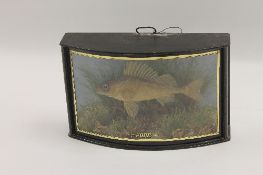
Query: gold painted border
[
  {"x": 73, "y": 52},
  {"x": 144, "y": 58}
]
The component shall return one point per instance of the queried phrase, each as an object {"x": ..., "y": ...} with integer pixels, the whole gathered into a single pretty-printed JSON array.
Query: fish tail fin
[{"x": 193, "y": 89}]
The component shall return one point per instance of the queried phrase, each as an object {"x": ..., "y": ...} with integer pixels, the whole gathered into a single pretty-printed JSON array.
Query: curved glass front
[{"x": 149, "y": 99}]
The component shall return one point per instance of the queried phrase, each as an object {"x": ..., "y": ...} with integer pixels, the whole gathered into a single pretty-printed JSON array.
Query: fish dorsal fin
[
  {"x": 140, "y": 70},
  {"x": 166, "y": 79}
]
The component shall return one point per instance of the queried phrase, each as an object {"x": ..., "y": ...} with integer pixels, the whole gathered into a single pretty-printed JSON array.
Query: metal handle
[
  {"x": 154, "y": 29},
  {"x": 162, "y": 31}
]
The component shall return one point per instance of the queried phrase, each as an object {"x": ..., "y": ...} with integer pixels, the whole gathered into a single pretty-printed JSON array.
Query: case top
[{"x": 133, "y": 43}]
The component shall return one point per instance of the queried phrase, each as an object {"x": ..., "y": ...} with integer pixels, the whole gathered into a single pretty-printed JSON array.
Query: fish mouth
[{"x": 99, "y": 90}]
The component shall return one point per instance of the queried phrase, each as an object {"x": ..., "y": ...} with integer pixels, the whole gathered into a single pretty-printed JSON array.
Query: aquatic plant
[
  {"x": 193, "y": 121},
  {"x": 90, "y": 116}
]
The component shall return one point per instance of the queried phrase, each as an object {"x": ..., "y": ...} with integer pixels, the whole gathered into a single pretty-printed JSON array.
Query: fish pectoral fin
[
  {"x": 165, "y": 100},
  {"x": 127, "y": 95},
  {"x": 131, "y": 108}
]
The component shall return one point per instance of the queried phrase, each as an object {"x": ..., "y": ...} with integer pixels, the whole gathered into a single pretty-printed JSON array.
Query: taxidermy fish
[{"x": 140, "y": 82}]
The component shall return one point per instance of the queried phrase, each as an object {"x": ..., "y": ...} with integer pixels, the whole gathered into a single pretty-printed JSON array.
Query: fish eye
[{"x": 105, "y": 87}]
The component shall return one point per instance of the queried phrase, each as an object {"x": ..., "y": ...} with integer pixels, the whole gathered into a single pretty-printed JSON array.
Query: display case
[{"x": 147, "y": 91}]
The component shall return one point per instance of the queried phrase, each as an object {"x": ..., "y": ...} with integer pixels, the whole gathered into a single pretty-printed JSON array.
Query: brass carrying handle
[
  {"x": 155, "y": 31},
  {"x": 181, "y": 30},
  {"x": 138, "y": 28}
]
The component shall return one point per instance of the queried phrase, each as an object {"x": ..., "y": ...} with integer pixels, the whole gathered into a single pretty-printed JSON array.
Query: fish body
[
  {"x": 137, "y": 90},
  {"x": 140, "y": 83}
]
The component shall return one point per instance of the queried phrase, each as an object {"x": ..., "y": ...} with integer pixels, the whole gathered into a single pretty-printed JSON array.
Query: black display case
[{"x": 148, "y": 91}]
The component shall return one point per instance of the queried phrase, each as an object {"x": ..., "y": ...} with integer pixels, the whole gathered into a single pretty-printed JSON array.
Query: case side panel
[
  {"x": 68, "y": 88},
  {"x": 225, "y": 93}
]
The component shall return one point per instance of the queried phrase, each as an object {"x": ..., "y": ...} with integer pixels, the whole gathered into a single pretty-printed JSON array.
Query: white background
[{"x": 33, "y": 129}]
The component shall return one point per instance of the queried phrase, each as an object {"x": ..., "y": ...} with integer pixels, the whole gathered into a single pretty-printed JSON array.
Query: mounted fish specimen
[{"x": 140, "y": 82}]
